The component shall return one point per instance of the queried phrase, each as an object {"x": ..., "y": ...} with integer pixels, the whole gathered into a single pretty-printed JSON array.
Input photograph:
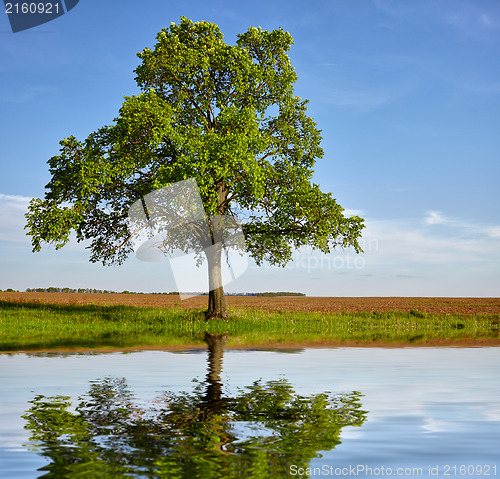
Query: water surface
[{"x": 424, "y": 412}]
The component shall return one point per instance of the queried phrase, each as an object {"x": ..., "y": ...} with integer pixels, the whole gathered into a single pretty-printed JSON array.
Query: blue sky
[{"x": 406, "y": 93}]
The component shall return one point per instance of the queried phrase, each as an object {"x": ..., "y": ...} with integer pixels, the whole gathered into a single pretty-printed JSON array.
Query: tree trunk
[
  {"x": 217, "y": 306},
  {"x": 213, "y": 404},
  {"x": 213, "y": 396}
]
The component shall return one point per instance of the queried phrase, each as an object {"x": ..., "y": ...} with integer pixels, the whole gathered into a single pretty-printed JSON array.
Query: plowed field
[{"x": 297, "y": 303}]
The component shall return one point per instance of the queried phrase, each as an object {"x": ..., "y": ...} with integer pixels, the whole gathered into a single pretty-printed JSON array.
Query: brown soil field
[{"x": 283, "y": 303}]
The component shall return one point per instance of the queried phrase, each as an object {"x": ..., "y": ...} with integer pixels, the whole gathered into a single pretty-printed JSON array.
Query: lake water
[{"x": 422, "y": 412}]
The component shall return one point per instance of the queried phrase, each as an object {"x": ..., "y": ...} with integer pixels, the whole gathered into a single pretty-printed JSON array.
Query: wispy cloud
[
  {"x": 362, "y": 99},
  {"x": 413, "y": 248},
  {"x": 488, "y": 231},
  {"x": 396, "y": 8},
  {"x": 15, "y": 200},
  {"x": 347, "y": 89},
  {"x": 492, "y": 88},
  {"x": 22, "y": 94},
  {"x": 493, "y": 232},
  {"x": 458, "y": 258},
  {"x": 403, "y": 244},
  {"x": 471, "y": 18},
  {"x": 471, "y": 21},
  {"x": 488, "y": 20},
  {"x": 353, "y": 212},
  {"x": 12, "y": 210},
  {"x": 467, "y": 18},
  {"x": 434, "y": 218}
]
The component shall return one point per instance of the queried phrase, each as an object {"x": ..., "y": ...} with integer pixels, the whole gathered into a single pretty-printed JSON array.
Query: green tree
[{"x": 223, "y": 114}]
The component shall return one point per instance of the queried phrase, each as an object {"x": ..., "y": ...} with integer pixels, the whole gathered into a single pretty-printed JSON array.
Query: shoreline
[{"x": 273, "y": 346}]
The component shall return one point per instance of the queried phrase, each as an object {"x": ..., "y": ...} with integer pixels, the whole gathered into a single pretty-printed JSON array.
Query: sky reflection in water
[{"x": 426, "y": 406}]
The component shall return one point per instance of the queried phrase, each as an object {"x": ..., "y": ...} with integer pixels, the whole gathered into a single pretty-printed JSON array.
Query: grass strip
[{"x": 30, "y": 326}]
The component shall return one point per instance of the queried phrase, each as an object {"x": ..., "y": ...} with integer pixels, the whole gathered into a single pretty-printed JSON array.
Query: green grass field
[{"x": 31, "y": 326}]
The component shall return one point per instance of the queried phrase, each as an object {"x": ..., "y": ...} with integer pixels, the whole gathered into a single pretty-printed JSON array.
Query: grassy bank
[{"x": 25, "y": 326}]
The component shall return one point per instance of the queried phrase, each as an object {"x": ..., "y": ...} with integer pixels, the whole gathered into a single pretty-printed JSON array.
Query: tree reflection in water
[{"x": 259, "y": 433}]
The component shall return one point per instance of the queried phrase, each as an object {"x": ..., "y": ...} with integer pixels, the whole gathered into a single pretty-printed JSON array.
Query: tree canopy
[{"x": 225, "y": 115}]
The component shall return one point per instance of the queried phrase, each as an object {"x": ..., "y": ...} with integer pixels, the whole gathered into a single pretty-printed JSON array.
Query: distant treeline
[
  {"x": 280, "y": 293},
  {"x": 52, "y": 289}
]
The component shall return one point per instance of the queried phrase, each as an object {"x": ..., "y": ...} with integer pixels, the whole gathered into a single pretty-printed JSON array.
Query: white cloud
[
  {"x": 353, "y": 212},
  {"x": 479, "y": 231},
  {"x": 402, "y": 257},
  {"x": 15, "y": 199},
  {"x": 434, "y": 218},
  {"x": 457, "y": 251},
  {"x": 12, "y": 210},
  {"x": 493, "y": 232},
  {"x": 406, "y": 243}
]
